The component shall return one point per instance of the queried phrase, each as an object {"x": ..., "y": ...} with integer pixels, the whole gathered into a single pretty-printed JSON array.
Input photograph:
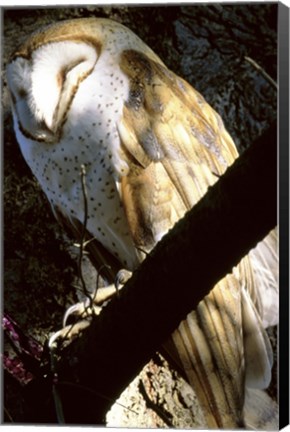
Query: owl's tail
[{"x": 224, "y": 349}]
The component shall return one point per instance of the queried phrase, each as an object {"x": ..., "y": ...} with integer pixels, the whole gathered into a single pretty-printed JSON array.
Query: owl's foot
[
  {"x": 67, "y": 333},
  {"x": 90, "y": 306},
  {"x": 77, "y": 316}
]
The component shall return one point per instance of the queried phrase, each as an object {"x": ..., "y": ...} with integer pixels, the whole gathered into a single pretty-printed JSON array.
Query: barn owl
[{"x": 89, "y": 93}]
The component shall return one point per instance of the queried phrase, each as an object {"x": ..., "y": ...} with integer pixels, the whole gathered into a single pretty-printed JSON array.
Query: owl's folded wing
[{"x": 176, "y": 147}]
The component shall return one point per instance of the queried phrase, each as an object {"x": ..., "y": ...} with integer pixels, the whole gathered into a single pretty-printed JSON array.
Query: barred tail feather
[{"x": 210, "y": 347}]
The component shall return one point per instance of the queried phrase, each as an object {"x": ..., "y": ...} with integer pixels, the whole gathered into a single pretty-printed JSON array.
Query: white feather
[
  {"x": 258, "y": 351},
  {"x": 57, "y": 68},
  {"x": 264, "y": 260}
]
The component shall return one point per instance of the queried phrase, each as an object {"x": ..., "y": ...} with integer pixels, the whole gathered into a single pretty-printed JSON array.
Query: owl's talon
[
  {"x": 81, "y": 310},
  {"x": 67, "y": 333},
  {"x": 91, "y": 306},
  {"x": 104, "y": 294},
  {"x": 121, "y": 278}
]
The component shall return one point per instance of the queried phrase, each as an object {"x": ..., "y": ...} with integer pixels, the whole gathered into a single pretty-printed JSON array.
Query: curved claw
[
  {"x": 83, "y": 310},
  {"x": 87, "y": 308},
  {"x": 69, "y": 331},
  {"x": 121, "y": 278}
]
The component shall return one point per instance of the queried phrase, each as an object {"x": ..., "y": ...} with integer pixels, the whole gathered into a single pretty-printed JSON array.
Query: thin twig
[
  {"x": 56, "y": 396},
  {"x": 262, "y": 71},
  {"x": 89, "y": 310},
  {"x": 83, "y": 233}
]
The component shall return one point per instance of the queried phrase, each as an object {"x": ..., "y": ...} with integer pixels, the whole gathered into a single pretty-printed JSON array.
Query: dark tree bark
[{"x": 235, "y": 214}]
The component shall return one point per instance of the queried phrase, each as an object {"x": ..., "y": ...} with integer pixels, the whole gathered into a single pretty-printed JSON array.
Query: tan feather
[{"x": 214, "y": 354}]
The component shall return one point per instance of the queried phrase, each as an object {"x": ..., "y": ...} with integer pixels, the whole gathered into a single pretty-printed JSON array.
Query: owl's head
[
  {"x": 43, "y": 77},
  {"x": 45, "y": 72}
]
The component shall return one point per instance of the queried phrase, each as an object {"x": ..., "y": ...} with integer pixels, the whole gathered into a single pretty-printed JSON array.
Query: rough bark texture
[{"x": 206, "y": 45}]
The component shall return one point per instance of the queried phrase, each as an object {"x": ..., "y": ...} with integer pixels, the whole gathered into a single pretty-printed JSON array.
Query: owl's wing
[
  {"x": 176, "y": 146},
  {"x": 174, "y": 143}
]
